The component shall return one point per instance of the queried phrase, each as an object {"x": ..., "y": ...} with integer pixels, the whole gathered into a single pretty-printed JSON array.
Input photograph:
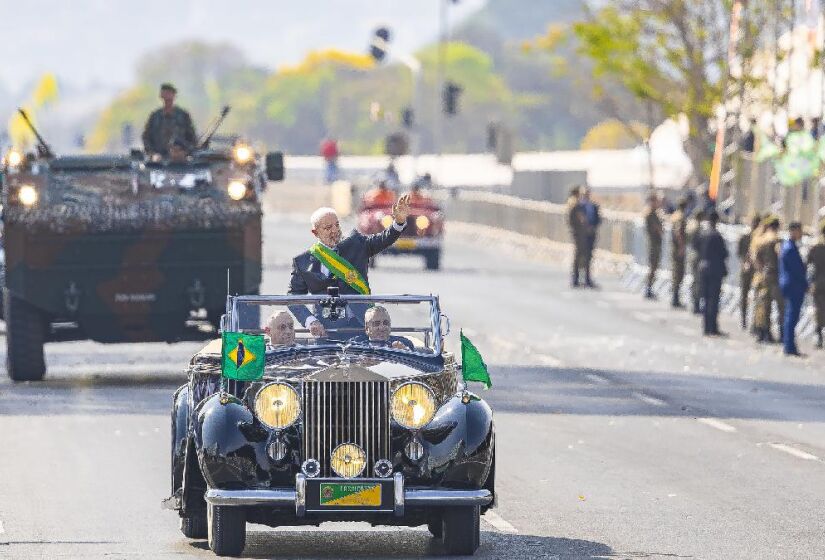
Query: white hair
[{"x": 320, "y": 213}]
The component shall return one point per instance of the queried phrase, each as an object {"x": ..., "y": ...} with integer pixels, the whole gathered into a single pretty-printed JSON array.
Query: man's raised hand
[{"x": 401, "y": 209}]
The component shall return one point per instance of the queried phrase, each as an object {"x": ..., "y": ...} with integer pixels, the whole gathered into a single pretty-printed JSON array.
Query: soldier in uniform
[
  {"x": 766, "y": 261},
  {"x": 592, "y": 221},
  {"x": 692, "y": 232},
  {"x": 678, "y": 233},
  {"x": 654, "y": 229},
  {"x": 166, "y": 124},
  {"x": 816, "y": 263},
  {"x": 743, "y": 251},
  {"x": 576, "y": 223}
]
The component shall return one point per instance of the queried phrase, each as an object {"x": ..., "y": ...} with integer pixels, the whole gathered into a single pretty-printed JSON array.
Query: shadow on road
[{"x": 409, "y": 544}]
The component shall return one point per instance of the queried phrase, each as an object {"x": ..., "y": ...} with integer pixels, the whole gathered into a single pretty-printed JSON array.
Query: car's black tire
[
  {"x": 432, "y": 260},
  {"x": 194, "y": 527},
  {"x": 227, "y": 530},
  {"x": 435, "y": 526},
  {"x": 461, "y": 532},
  {"x": 25, "y": 335}
]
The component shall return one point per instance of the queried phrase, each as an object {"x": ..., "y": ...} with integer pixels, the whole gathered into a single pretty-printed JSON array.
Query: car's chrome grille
[{"x": 346, "y": 412}]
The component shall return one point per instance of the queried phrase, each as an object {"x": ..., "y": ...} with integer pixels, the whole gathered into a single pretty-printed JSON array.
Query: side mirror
[
  {"x": 445, "y": 325},
  {"x": 275, "y": 166}
]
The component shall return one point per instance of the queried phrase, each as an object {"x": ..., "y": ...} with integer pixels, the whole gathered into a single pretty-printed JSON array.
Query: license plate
[
  {"x": 334, "y": 494},
  {"x": 405, "y": 244}
]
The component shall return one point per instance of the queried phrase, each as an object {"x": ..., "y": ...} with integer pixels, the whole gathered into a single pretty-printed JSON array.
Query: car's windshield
[{"x": 404, "y": 323}]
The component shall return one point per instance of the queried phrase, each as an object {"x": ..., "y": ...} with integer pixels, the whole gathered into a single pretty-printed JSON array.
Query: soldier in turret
[{"x": 166, "y": 124}]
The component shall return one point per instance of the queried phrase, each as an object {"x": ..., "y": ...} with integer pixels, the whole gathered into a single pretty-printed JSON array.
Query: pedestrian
[
  {"x": 766, "y": 262},
  {"x": 329, "y": 151},
  {"x": 794, "y": 285},
  {"x": 592, "y": 221},
  {"x": 816, "y": 263},
  {"x": 575, "y": 222},
  {"x": 712, "y": 269},
  {"x": 654, "y": 229},
  {"x": 692, "y": 232},
  {"x": 678, "y": 240},
  {"x": 746, "y": 270}
]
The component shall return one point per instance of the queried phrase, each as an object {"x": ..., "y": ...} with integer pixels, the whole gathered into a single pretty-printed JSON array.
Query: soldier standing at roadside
[
  {"x": 766, "y": 261},
  {"x": 576, "y": 221},
  {"x": 592, "y": 221},
  {"x": 654, "y": 229},
  {"x": 678, "y": 238},
  {"x": 816, "y": 262},
  {"x": 692, "y": 232},
  {"x": 746, "y": 270}
]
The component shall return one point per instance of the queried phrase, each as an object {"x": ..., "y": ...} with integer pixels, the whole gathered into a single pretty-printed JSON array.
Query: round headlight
[
  {"x": 277, "y": 405},
  {"x": 348, "y": 460},
  {"x": 14, "y": 158},
  {"x": 27, "y": 195},
  {"x": 243, "y": 153},
  {"x": 413, "y": 405},
  {"x": 386, "y": 221},
  {"x": 236, "y": 190},
  {"x": 422, "y": 222}
]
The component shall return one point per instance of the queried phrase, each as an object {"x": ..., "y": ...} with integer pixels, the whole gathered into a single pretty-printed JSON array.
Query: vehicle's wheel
[
  {"x": 460, "y": 526},
  {"x": 433, "y": 260},
  {"x": 25, "y": 336},
  {"x": 435, "y": 527},
  {"x": 227, "y": 530},
  {"x": 194, "y": 527}
]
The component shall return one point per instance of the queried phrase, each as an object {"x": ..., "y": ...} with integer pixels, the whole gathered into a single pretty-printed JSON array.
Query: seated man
[
  {"x": 378, "y": 330},
  {"x": 281, "y": 330},
  {"x": 379, "y": 197}
]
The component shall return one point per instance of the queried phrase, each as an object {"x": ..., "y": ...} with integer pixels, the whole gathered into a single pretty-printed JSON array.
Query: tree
[{"x": 614, "y": 135}]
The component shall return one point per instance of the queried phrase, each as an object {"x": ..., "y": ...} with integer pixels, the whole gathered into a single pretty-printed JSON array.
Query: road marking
[
  {"x": 597, "y": 379},
  {"x": 718, "y": 424},
  {"x": 647, "y": 399},
  {"x": 548, "y": 360},
  {"x": 499, "y": 522},
  {"x": 643, "y": 317},
  {"x": 798, "y": 453},
  {"x": 685, "y": 331},
  {"x": 2, "y": 529}
]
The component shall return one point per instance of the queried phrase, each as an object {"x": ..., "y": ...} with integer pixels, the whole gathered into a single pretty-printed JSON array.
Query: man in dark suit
[
  {"x": 341, "y": 263},
  {"x": 793, "y": 284},
  {"x": 712, "y": 268},
  {"x": 593, "y": 220}
]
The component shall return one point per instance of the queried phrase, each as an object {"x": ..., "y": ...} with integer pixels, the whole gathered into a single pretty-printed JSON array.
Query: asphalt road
[{"x": 622, "y": 433}]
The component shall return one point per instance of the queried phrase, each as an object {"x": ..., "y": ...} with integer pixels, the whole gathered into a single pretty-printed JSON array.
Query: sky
[{"x": 98, "y": 42}]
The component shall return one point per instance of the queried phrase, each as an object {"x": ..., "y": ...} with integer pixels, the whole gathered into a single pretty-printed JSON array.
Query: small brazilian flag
[
  {"x": 243, "y": 356},
  {"x": 473, "y": 367}
]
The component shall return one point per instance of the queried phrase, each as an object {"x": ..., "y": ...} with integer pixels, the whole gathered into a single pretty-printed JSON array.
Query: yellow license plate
[
  {"x": 350, "y": 494},
  {"x": 405, "y": 244}
]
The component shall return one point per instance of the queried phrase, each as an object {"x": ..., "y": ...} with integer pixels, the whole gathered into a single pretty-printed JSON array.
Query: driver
[
  {"x": 378, "y": 327},
  {"x": 166, "y": 123},
  {"x": 281, "y": 329},
  {"x": 380, "y": 196}
]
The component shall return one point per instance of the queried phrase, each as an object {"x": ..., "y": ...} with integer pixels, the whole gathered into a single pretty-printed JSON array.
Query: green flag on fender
[
  {"x": 243, "y": 356},
  {"x": 473, "y": 367}
]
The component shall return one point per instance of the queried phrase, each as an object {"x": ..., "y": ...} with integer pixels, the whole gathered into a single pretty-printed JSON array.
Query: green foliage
[{"x": 613, "y": 134}]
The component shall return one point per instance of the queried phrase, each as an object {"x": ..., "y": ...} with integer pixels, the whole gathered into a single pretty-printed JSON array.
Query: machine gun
[
  {"x": 43, "y": 149},
  {"x": 202, "y": 145}
]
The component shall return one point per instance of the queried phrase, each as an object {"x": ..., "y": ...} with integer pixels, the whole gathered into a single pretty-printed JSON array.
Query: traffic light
[
  {"x": 450, "y": 97},
  {"x": 379, "y": 45}
]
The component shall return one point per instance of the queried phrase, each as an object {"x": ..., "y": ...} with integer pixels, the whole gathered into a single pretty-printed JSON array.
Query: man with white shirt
[{"x": 344, "y": 263}]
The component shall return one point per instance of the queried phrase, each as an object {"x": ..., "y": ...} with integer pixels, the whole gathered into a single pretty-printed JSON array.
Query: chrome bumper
[{"x": 288, "y": 498}]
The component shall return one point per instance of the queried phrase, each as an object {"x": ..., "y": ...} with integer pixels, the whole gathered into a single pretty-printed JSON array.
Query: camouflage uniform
[
  {"x": 576, "y": 223},
  {"x": 162, "y": 128},
  {"x": 766, "y": 260},
  {"x": 816, "y": 261},
  {"x": 692, "y": 232},
  {"x": 745, "y": 275},
  {"x": 678, "y": 236},
  {"x": 653, "y": 227}
]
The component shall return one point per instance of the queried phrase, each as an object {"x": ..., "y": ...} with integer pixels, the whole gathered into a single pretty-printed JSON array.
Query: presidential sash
[{"x": 340, "y": 267}]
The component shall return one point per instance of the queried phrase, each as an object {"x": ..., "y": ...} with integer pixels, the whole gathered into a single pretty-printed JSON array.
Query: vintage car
[
  {"x": 337, "y": 429},
  {"x": 422, "y": 236}
]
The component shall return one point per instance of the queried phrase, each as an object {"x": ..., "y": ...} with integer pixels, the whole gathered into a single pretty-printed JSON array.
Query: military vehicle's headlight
[
  {"x": 386, "y": 221},
  {"x": 243, "y": 153},
  {"x": 348, "y": 460},
  {"x": 277, "y": 405},
  {"x": 422, "y": 222},
  {"x": 27, "y": 195},
  {"x": 236, "y": 190},
  {"x": 413, "y": 405},
  {"x": 14, "y": 158}
]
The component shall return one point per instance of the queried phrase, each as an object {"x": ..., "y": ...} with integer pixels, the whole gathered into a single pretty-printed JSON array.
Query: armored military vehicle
[{"x": 117, "y": 248}]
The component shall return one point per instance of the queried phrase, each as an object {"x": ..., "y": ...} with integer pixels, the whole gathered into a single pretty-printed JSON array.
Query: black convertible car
[{"x": 344, "y": 428}]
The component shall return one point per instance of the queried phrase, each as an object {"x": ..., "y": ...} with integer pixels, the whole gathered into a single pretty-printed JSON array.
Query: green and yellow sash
[{"x": 340, "y": 267}]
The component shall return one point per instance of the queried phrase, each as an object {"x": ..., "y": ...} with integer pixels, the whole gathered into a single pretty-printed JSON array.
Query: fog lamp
[
  {"x": 413, "y": 405},
  {"x": 414, "y": 450},
  {"x": 27, "y": 195},
  {"x": 386, "y": 221},
  {"x": 382, "y": 469},
  {"x": 277, "y": 405},
  {"x": 14, "y": 158},
  {"x": 243, "y": 153},
  {"x": 276, "y": 450},
  {"x": 348, "y": 460},
  {"x": 422, "y": 222},
  {"x": 236, "y": 190}
]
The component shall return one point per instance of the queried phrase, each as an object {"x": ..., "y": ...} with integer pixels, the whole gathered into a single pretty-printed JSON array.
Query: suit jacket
[
  {"x": 712, "y": 254},
  {"x": 792, "y": 278},
  {"x": 357, "y": 248}
]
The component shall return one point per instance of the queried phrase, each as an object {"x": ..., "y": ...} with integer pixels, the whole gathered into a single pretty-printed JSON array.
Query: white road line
[
  {"x": 548, "y": 360},
  {"x": 499, "y": 522},
  {"x": 718, "y": 424},
  {"x": 647, "y": 399},
  {"x": 597, "y": 379},
  {"x": 643, "y": 317},
  {"x": 798, "y": 453}
]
